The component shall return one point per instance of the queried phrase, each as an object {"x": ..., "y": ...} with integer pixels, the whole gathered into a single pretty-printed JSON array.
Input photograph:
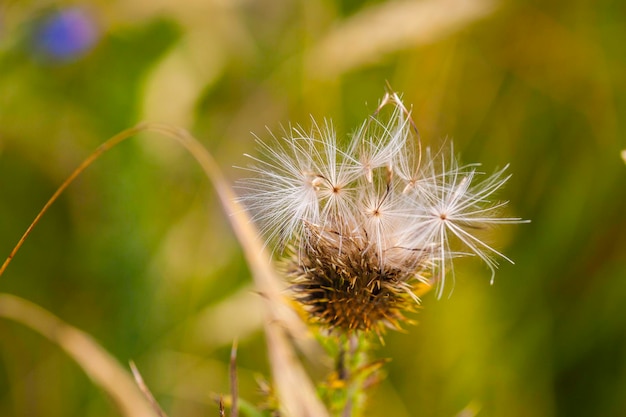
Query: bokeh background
[{"x": 139, "y": 254}]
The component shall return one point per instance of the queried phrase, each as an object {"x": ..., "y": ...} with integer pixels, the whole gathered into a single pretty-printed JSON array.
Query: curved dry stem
[
  {"x": 295, "y": 390},
  {"x": 120, "y": 137},
  {"x": 97, "y": 363}
]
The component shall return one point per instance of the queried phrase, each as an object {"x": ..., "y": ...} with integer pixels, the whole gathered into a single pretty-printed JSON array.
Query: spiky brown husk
[{"x": 344, "y": 285}]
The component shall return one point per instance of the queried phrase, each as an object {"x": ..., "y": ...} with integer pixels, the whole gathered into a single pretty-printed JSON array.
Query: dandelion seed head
[{"x": 362, "y": 225}]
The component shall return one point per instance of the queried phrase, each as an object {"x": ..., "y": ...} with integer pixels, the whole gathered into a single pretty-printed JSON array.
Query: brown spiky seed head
[{"x": 344, "y": 285}]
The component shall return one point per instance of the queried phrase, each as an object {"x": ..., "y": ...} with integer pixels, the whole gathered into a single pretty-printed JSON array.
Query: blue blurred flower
[{"x": 66, "y": 35}]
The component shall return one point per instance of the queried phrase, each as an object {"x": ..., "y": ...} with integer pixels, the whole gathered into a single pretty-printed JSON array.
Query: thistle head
[{"x": 362, "y": 225}]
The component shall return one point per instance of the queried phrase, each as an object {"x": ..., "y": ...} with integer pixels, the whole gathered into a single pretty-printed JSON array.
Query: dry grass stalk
[
  {"x": 146, "y": 391},
  {"x": 98, "y": 364}
]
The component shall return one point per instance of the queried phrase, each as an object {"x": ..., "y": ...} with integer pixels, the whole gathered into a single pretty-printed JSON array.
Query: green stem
[{"x": 354, "y": 374}]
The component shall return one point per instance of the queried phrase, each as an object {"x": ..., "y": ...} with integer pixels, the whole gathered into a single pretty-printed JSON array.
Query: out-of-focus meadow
[{"x": 139, "y": 254}]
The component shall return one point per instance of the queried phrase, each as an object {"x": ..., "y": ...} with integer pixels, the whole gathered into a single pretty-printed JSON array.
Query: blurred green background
[{"x": 139, "y": 254}]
